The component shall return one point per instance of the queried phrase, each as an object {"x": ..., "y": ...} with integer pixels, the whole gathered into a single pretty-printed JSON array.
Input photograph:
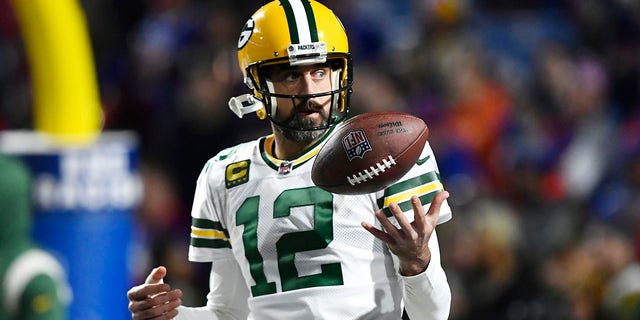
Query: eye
[
  {"x": 290, "y": 77},
  {"x": 319, "y": 74}
]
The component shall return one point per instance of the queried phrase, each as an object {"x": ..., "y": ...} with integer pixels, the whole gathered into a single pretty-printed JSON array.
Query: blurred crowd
[{"x": 533, "y": 107}]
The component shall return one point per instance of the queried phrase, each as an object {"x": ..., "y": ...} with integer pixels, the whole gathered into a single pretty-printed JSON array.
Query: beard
[{"x": 302, "y": 135}]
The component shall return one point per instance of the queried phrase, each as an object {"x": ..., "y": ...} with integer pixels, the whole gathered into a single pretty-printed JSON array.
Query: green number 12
[{"x": 291, "y": 243}]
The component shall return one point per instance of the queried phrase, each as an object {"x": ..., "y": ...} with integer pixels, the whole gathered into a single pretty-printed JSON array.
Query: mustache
[{"x": 309, "y": 105}]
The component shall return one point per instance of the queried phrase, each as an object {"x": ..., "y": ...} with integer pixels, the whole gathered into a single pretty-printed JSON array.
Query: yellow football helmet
[{"x": 293, "y": 32}]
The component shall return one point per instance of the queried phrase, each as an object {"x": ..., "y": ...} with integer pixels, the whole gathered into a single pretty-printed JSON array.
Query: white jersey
[{"x": 302, "y": 251}]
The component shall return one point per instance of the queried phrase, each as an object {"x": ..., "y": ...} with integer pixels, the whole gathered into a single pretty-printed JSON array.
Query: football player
[{"x": 280, "y": 247}]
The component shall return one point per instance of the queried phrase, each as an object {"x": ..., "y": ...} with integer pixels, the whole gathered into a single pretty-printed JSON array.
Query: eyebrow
[{"x": 283, "y": 68}]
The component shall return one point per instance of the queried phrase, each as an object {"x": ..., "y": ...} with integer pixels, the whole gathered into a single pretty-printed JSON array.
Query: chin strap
[{"x": 244, "y": 104}]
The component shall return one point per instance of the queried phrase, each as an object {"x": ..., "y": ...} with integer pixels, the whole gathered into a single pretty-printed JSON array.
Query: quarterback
[{"x": 281, "y": 247}]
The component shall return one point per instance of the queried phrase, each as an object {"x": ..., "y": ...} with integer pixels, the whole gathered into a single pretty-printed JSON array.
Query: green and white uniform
[{"x": 300, "y": 252}]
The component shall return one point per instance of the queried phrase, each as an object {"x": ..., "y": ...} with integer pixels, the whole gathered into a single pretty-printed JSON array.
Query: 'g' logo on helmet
[{"x": 245, "y": 34}]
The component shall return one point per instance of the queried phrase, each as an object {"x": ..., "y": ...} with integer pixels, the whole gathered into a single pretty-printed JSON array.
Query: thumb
[{"x": 156, "y": 275}]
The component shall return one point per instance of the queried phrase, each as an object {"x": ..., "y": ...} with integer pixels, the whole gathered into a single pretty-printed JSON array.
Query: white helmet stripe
[{"x": 304, "y": 34}]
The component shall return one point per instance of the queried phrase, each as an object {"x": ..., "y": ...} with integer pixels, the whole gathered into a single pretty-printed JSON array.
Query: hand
[
  {"x": 154, "y": 299},
  {"x": 410, "y": 243}
]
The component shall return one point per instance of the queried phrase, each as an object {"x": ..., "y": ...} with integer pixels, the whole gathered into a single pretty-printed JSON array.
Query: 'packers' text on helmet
[{"x": 292, "y": 32}]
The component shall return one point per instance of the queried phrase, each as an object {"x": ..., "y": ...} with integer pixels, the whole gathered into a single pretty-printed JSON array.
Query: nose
[{"x": 308, "y": 85}]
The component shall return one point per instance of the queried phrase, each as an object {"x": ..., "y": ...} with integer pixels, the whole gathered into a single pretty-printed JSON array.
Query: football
[{"x": 369, "y": 152}]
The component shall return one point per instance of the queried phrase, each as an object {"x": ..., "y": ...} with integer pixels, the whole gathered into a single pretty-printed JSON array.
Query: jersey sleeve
[
  {"x": 228, "y": 294},
  {"x": 209, "y": 235},
  {"x": 422, "y": 180},
  {"x": 227, "y": 298},
  {"x": 427, "y": 295}
]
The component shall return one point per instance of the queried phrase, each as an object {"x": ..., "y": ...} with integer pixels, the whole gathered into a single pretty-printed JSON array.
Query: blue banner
[{"x": 83, "y": 200}]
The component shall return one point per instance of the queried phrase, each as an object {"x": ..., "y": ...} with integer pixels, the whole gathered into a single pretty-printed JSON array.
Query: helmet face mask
[
  {"x": 339, "y": 93},
  {"x": 316, "y": 36}
]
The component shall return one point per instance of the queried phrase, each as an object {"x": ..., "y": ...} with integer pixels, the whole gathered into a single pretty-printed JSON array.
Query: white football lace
[{"x": 365, "y": 175}]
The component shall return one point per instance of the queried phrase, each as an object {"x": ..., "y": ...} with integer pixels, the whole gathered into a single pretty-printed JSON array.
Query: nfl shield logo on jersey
[
  {"x": 285, "y": 167},
  {"x": 356, "y": 144}
]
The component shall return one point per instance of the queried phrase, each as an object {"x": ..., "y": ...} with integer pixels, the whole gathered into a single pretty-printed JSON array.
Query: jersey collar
[{"x": 267, "y": 145}]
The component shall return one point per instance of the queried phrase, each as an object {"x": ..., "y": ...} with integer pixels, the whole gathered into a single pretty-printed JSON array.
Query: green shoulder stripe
[
  {"x": 406, "y": 205},
  {"x": 208, "y": 224},
  {"x": 411, "y": 183},
  {"x": 425, "y": 186},
  {"x": 208, "y": 234},
  {"x": 210, "y": 243}
]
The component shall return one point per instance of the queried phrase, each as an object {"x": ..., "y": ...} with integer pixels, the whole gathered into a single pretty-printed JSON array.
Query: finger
[
  {"x": 389, "y": 227},
  {"x": 145, "y": 291},
  {"x": 436, "y": 204},
  {"x": 168, "y": 310},
  {"x": 377, "y": 232},
  {"x": 418, "y": 214},
  {"x": 156, "y": 275},
  {"x": 156, "y": 305},
  {"x": 405, "y": 226}
]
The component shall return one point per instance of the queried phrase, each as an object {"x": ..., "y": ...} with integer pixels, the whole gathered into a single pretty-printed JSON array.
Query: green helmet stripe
[
  {"x": 291, "y": 21},
  {"x": 301, "y": 21},
  {"x": 311, "y": 19}
]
